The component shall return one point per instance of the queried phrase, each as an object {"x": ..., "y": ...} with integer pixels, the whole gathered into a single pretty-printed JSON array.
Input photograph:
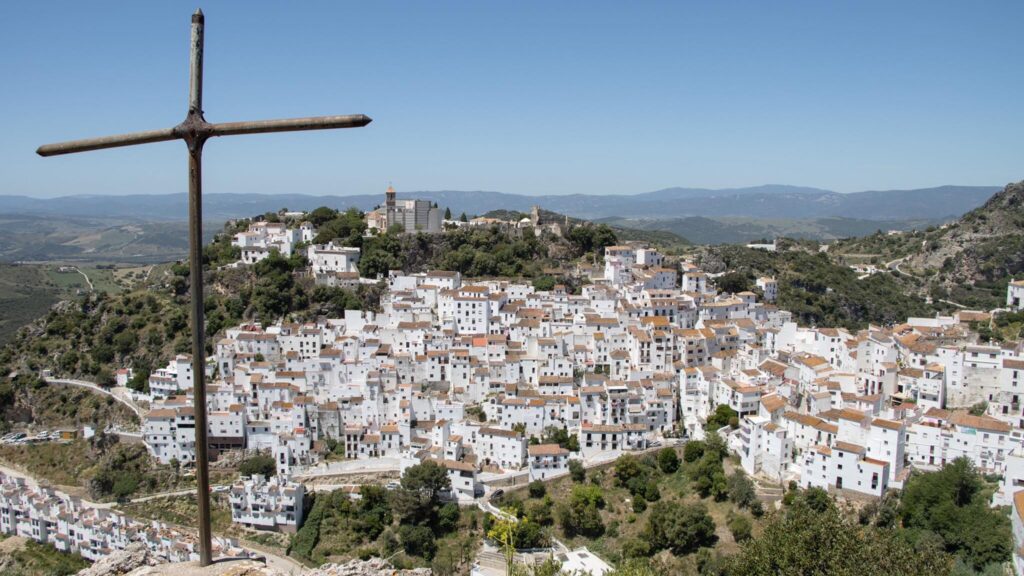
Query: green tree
[
  {"x": 722, "y": 416},
  {"x": 803, "y": 541},
  {"x": 951, "y": 503},
  {"x": 537, "y": 489},
  {"x": 576, "y": 471},
  {"x": 741, "y": 527},
  {"x": 448, "y": 517},
  {"x": 733, "y": 282},
  {"x": 668, "y": 460},
  {"x": 681, "y": 528},
  {"x": 693, "y": 450},
  {"x": 544, "y": 283},
  {"x": 580, "y": 514},
  {"x": 105, "y": 377},
  {"x": 541, "y": 512},
  {"x": 422, "y": 486},
  {"x": 417, "y": 540},
  {"x": 741, "y": 489},
  {"x": 259, "y": 464},
  {"x": 627, "y": 469},
  {"x": 709, "y": 477}
]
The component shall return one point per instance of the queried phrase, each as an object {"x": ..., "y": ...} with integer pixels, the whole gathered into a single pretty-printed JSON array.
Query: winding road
[{"x": 118, "y": 393}]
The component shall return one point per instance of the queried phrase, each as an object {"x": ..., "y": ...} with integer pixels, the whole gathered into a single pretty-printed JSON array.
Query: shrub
[
  {"x": 258, "y": 464},
  {"x": 417, "y": 540},
  {"x": 722, "y": 416},
  {"x": 680, "y": 528},
  {"x": 576, "y": 471},
  {"x": 740, "y": 527},
  {"x": 668, "y": 460},
  {"x": 741, "y": 489},
  {"x": 537, "y": 489},
  {"x": 693, "y": 450}
]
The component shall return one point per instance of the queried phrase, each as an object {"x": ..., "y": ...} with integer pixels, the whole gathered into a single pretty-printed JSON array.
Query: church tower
[{"x": 389, "y": 198}]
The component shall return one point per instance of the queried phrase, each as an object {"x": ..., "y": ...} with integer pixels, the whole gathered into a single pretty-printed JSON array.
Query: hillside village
[
  {"x": 478, "y": 375},
  {"x": 503, "y": 382}
]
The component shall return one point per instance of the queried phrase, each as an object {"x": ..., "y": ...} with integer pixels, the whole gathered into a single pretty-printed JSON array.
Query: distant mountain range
[
  {"x": 770, "y": 201},
  {"x": 734, "y": 230}
]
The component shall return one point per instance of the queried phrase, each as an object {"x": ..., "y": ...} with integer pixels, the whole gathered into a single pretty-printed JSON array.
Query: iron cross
[{"x": 195, "y": 131}]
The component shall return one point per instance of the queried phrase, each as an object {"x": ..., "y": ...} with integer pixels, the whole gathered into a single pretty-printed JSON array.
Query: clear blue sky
[{"x": 523, "y": 97}]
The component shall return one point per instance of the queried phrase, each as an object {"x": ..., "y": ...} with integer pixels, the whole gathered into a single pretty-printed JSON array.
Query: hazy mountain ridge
[
  {"x": 770, "y": 201},
  {"x": 733, "y": 230}
]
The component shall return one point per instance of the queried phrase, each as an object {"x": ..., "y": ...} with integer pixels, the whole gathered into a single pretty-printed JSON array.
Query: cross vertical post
[
  {"x": 195, "y": 131},
  {"x": 195, "y": 263}
]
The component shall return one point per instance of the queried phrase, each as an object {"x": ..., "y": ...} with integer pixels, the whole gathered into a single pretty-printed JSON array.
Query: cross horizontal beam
[{"x": 205, "y": 130}]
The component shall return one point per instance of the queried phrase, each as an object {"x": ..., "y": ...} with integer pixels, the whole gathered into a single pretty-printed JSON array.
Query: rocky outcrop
[
  {"x": 136, "y": 555},
  {"x": 371, "y": 567},
  {"x": 139, "y": 562},
  {"x": 985, "y": 245}
]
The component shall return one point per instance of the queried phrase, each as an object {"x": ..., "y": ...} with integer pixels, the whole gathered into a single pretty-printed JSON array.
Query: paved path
[
  {"x": 347, "y": 467},
  {"x": 118, "y": 393},
  {"x": 895, "y": 265}
]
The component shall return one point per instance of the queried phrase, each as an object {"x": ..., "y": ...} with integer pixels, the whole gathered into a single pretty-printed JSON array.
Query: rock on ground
[
  {"x": 371, "y": 567},
  {"x": 135, "y": 555},
  {"x": 135, "y": 562}
]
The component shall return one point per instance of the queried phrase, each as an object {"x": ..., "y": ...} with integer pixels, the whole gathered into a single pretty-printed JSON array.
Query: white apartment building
[
  {"x": 267, "y": 504},
  {"x": 1015, "y": 295},
  {"x": 71, "y": 526},
  {"x": 503, "y": 448},
  {"x": 331, "y": 259},
  {"x": 618, "y": 262},
  {"x": 769, "y": 287},
  {"x": 844, "y": 466},
  {"x": 547, "y": 461},
  {"x": 264, "y": 237},
  {"x": 942, "y": 436}
]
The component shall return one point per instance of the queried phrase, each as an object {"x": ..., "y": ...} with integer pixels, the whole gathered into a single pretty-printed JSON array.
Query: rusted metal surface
[
  {"x": 194, "y": 125},
  {"x": 289, "y": 125},
  {"x": 192, "y": 128},
  {"x": 195, "y": 130},
  {"x": 195, "y": 64},
  {"x": 107, "y": 142}
]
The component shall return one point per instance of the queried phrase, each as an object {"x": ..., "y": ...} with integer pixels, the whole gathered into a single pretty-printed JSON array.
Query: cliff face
[{"x": 985, "y": 245}]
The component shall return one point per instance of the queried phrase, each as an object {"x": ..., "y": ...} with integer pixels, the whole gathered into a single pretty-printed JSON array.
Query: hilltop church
[{"x": 411, "y": 215}]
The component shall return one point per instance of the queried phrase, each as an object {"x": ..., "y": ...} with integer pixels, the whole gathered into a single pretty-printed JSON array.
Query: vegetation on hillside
[
  {"x": 30, "y": 558},
  {"x": 25, "y": 294},
  {"x": 410, "y": 524},
  {"x": 817, "y": 291},
  {"x": 701, "y": 515},
  {"x": 26, "y": 400},
  {"x": 812, "y": 536},
  {"x": 644, "y": 508},
  {"x": 100, "y": 468},
  {"x": 968, "y": 262}
]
